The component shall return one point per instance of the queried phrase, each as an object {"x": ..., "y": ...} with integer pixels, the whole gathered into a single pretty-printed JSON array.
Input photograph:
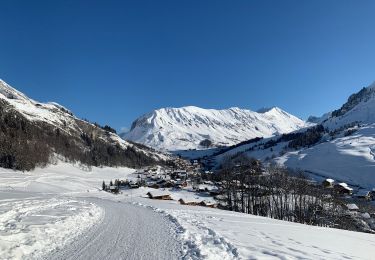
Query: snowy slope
[
  {"x": 344, "y": 156},
  {"x": 68, "y": 201},
  {"x": 350, "y": 159},
  {"x": 360, "y": 107},
  {"x": 219, "y": 234},
  {"x": 184, "y": 128},
  {"x": 60, "y": 117},
  {"x": 51, "y": 113}
]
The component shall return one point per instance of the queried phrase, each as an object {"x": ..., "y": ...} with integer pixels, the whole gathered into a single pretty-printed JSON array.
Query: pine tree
[
  {"x": 110, "y": 183},
  {"x": 103, "y": 186}
]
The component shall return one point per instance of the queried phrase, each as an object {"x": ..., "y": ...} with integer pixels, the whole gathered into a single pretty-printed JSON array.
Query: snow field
[
  {"x": 31, "y": 227},
  {"x": 218, "y": 234},
  {"x": 199, "y": 241},
  {"x": 203, "y": 233}
]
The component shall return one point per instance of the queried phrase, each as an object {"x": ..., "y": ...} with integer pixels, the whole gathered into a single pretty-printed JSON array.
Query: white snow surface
[
  {"x": 39, "y": 208},
  {"x": 350, "y": 159},
  {"x": 184, "y": 128},
  {"x": 51, "y": 113},
  {"x": 32, "y": 225}
]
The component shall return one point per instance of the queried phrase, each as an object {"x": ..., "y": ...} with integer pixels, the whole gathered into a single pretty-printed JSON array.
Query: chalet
[
  {"x": 207, "y": 204},
  {"x": 343, "y": 188},
  {"x": 328, "y": 183},
  {"x": 193, "y": 202},
  {"x": 154, "y": 185},
  {"x": 182, "y": 174},
  {"x": 157, "y": 195},
  {"x": 215, "y": 192},
  {"x": 363, "y": 194},
  {"x": 352, "y": 207},
  {"x": 165, "y": 177},
  {"x": 113, "y": 188},
  {"x": 181, "y": 183},
  {"x": 133, "y": 185}
]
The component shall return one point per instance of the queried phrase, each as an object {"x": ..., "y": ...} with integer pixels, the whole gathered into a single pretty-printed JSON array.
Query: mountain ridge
[
  {"x": 27, "y": 126},
  {"x": 186, "y": 127},
  {"x": 341, "y": 146}
]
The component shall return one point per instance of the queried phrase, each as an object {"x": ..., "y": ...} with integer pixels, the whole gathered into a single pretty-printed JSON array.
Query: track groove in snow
[
  {"x": 126, "y": 232},
  {"x": 200, "y": 242}
]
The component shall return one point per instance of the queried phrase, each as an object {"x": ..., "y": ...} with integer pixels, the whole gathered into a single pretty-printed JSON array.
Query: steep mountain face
[
  {"x": 31, "y": 132},
  {"x": 197, "y": 128},
  {"x": 360, "y": 107},
  {"x": 341, "y": 146}
]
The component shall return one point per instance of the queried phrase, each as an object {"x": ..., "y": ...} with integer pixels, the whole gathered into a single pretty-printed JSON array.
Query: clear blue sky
[{"x": 111, "y": 61}]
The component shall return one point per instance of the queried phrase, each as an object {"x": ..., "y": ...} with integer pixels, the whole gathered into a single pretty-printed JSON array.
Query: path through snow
[{"x": 126, "y": 232}]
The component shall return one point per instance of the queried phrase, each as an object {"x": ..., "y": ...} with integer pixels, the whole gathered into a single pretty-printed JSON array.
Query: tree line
[{"x": 276, "y": 192}]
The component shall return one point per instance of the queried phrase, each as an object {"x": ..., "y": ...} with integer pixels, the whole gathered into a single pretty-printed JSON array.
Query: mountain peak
[
  {"x": 267, "y": 109},
  {"x": 187, "y": 127}
]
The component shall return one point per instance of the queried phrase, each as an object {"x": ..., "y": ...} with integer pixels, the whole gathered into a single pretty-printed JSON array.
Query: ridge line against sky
[{"x": 113, "y": 61}]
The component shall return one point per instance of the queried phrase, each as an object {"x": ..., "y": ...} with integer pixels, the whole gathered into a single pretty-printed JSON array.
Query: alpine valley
[{"x": 340, "y": 144}]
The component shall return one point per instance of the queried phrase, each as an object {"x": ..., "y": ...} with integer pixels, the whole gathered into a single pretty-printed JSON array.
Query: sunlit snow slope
[
  {"x": 346, "y": 151},
  {"x": 186, "y": 127}
]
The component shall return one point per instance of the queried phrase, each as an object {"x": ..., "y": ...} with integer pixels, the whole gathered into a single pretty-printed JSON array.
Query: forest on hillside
[{"x": 26, "y": 144}]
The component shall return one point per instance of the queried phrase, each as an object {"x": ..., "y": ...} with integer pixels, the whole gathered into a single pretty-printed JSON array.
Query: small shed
[
  {"x": 352, "y": 207},
  {"x": 113, "y": 189},
  {"x": 328, "y": 183},
  {"x": 343, "y": 188}
]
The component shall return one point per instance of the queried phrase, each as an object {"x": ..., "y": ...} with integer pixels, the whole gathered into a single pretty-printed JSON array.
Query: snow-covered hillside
[
  {"x": 50, "y": 113},
  {"x": 59, "y": 212},
  {"x": 196, "y": 128},
  {"x": 51, "y": 127},
  {"x": 345, "y": 151}
]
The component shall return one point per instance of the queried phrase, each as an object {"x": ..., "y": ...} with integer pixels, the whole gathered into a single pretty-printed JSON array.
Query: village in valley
[
  {"x": 182, "y": 180},
  {"x": 187, "y": 182}
]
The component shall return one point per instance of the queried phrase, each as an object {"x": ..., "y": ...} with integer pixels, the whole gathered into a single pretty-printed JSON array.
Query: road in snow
[{"x": 126, "y": 232}]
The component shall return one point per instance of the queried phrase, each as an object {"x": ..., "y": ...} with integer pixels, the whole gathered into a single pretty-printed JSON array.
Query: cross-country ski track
[{"x": 125, "y": 232}]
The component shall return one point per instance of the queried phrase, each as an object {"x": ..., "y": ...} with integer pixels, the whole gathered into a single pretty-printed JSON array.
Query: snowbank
[{"x": 31, "y": 227}]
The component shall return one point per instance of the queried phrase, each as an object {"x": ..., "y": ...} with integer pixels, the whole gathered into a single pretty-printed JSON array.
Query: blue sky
[{"x": 111, "y": 61}]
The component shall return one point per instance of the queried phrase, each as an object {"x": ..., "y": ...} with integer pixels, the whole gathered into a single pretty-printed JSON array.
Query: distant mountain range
[
  {"x": 340, "y": 144},
  {"x": 197, "y": 128}
]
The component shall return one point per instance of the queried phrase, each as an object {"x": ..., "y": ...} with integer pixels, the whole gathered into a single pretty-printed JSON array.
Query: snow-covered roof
[
  {"x": 330, "y": 180},
  {"x": 352, "y": 206},
  {"x": 344, "y": 185},
  {"x": 158, "y": 193}
]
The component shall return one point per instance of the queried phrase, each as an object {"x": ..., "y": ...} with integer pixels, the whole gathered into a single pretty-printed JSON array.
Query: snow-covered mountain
[
  {"x": 27, "y": 125},
  {"x": 196, "y": 128},
  {"x": 343, "y": 148}
]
